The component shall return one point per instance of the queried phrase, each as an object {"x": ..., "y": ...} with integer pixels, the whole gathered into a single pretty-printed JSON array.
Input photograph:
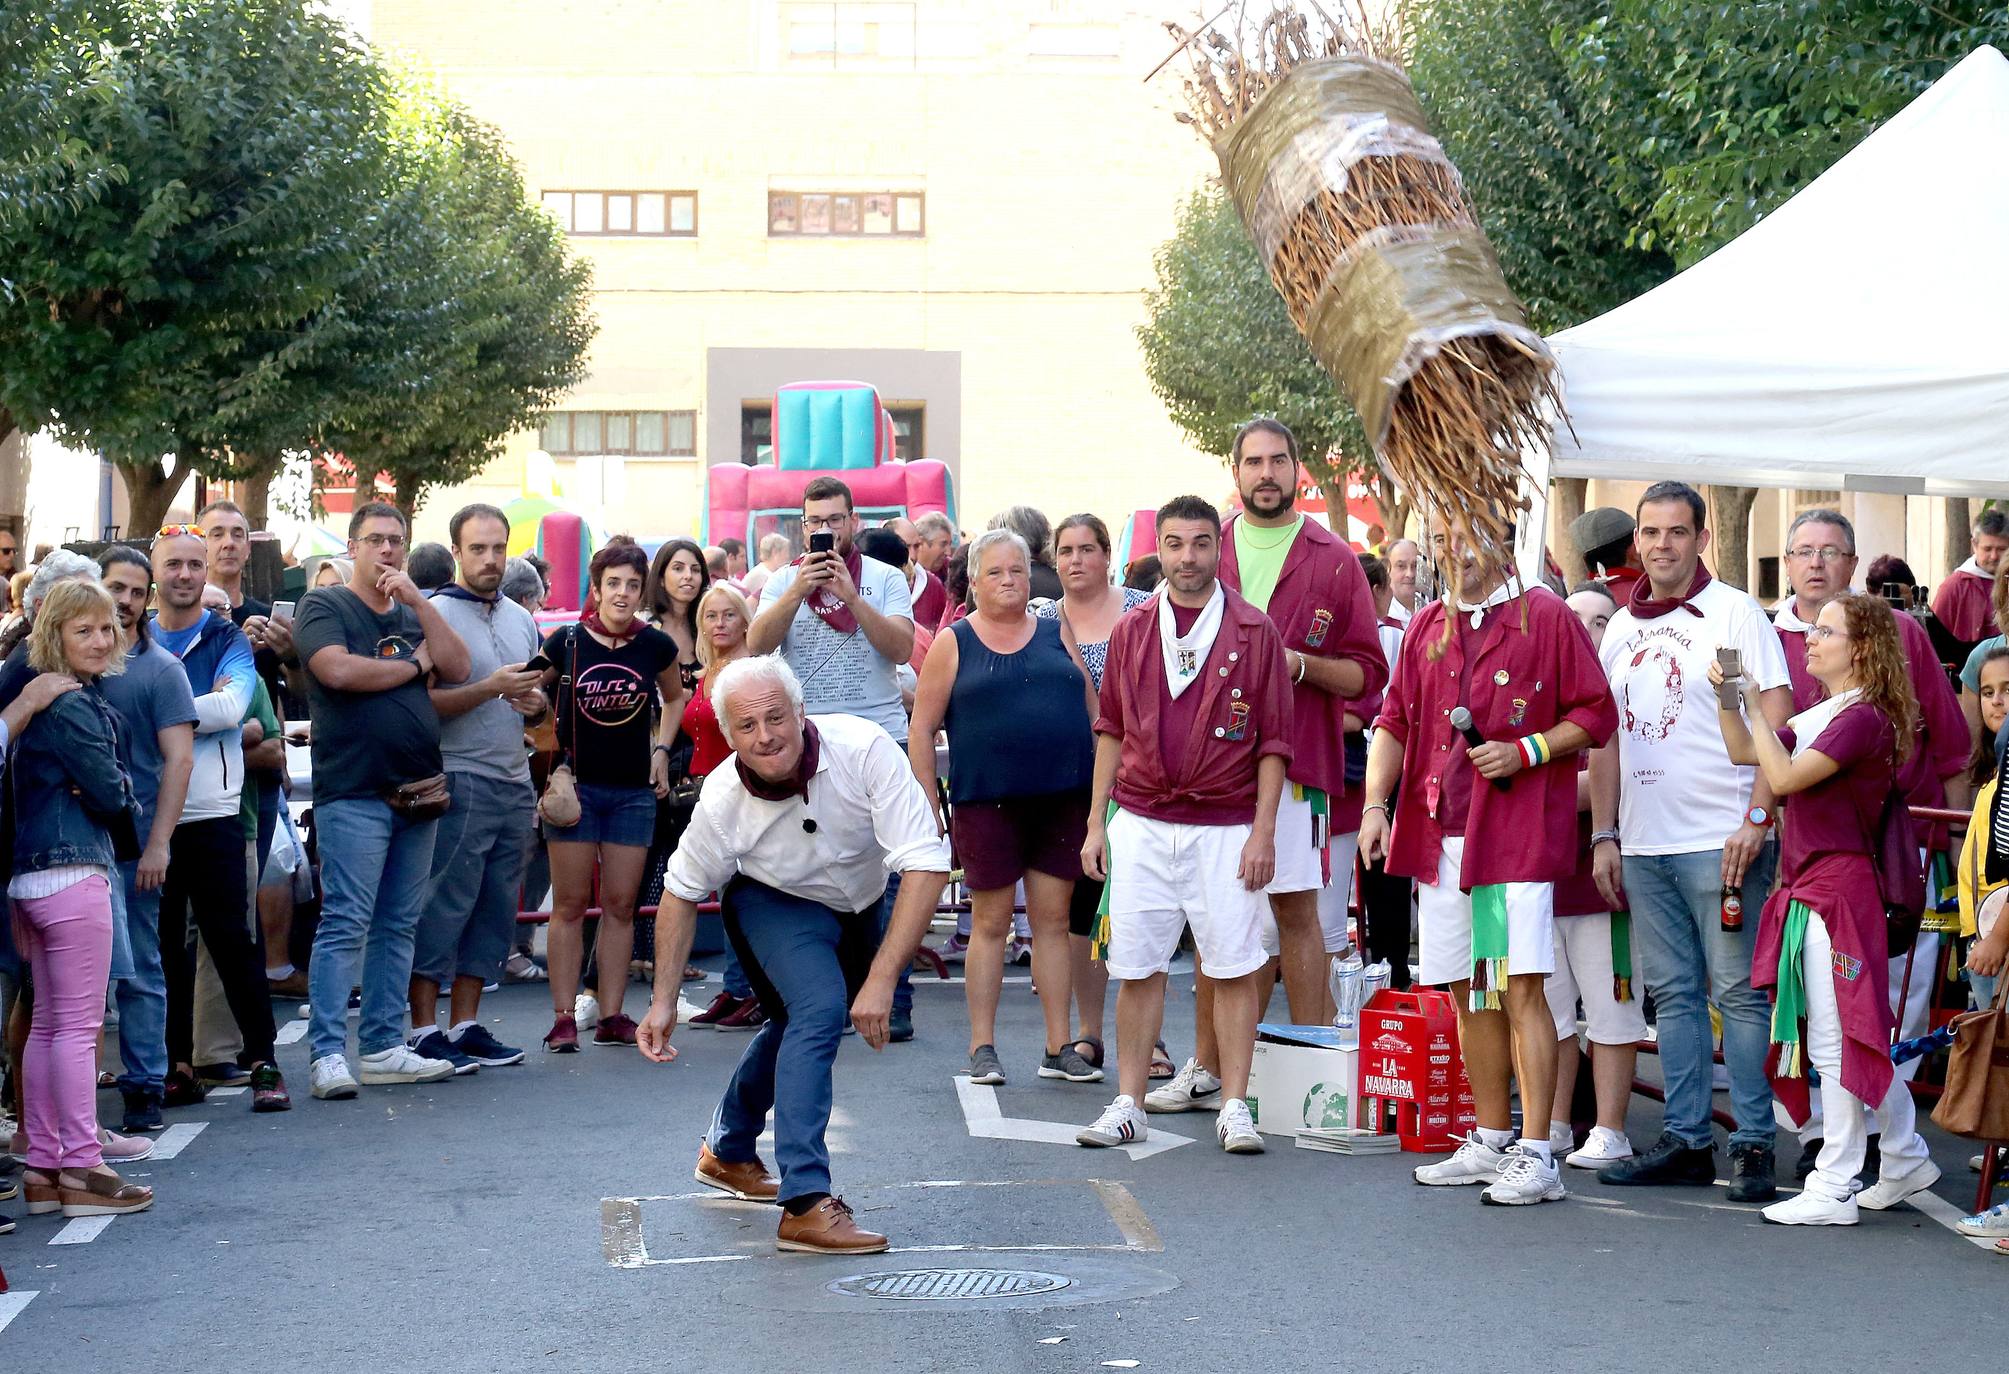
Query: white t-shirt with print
[
  {"x": 1678, "y": 791},
  {"x": 844, "y": 674}
]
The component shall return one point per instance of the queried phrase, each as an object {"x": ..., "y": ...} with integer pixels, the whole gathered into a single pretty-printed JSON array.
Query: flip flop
[
  {"x": 1093, "y": 1054},
  {"x": 692, "y": 973},
  {"x": 1161, "y": 1055}
]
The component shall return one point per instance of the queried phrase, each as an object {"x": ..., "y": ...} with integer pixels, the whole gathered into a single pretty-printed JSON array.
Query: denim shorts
[{"x": 609, "y": 815}]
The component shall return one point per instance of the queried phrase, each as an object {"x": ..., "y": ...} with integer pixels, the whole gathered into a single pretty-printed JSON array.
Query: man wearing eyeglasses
[
  {"x": 371, "y": 647},
  {"x": 10, "y": 553},
  {"x": 844, "y": 623},
  {"x": 1821, "y": 564}
]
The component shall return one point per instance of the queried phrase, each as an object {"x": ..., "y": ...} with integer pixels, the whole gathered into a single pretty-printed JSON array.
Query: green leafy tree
[
  {"x": 1219, "y": 348},
  {"x": 202, "y": 190}
]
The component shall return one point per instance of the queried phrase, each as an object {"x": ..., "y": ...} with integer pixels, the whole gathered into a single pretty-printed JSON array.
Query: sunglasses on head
[{"x": 177, "y": 531}]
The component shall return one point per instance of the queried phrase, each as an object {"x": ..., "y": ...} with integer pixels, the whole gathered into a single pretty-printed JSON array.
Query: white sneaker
[
  {"x": 1812, "y": 1209},
  {"x": 1603, "y": 1146},
  {"x": 1561, "y": 1138},
  {"x": 1236, "y": 1129},
  {"x": 1192, "y": 1089},
  {"x": 1993, "y": 1223},
  {"x": 331, "y": 1078},
  {"x": 401, "y": 1064},
  {"x": 586, "y": 1011},
  {"x": 1474, "y": 1162},
  {"x": 1524, "y": 1179},
  {"x": 1886, "y": 1193},
  {"x": 1120, "y": 1124}
]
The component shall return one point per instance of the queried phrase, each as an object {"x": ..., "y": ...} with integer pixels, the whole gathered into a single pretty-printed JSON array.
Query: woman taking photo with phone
[
  {"x": 609, "y": 671},
  {"x": 75, "y": 820},
  {"x": 1821, "y": 944}
]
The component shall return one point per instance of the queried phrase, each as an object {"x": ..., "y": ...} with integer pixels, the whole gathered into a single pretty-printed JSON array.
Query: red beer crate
[{"x": 1411, "y": 1070}]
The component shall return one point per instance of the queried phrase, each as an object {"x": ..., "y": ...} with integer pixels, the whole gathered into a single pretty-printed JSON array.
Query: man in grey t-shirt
[
  {"x": 845, "y": 624},
  {"x": 483, "y": 843}
]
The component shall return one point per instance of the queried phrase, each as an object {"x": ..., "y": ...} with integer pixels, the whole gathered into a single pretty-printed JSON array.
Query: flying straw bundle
[{"x": 1364, "y": 226}]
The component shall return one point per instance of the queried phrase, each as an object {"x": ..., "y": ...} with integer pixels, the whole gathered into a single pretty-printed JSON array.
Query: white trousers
[
  {"x": 1911, "y": 1022},
  {"x": 1846, "y": 1137}
]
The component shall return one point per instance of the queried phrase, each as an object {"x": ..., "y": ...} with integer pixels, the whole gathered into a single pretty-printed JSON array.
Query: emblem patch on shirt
[
  {"x": 1846, "y": 967},
  {"x": 1321, "y": 622},
  {"x": 1189, "y": 663},
  {"x": 394, "y": 646},
  {"x": 1519, "y": 713},
  {"x": 1238, "y": 720}
]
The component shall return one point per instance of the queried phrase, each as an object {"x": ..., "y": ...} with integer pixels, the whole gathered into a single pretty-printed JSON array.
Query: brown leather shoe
[
  {"x": 749, "y": 1182},
  {"x": 827, "y": 1229}
]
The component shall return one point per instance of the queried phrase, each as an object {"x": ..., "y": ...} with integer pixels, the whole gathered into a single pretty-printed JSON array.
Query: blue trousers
[
  {"x": 1690, "y": 961},
  {"x": 805, "y": 962},
  {"x": 142, "y": 996},
  {"x": 903, "y": 991},
  {"x": 374, "y": 869}
]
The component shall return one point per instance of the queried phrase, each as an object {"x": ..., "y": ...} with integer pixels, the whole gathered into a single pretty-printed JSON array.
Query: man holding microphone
[{"x": 1487, "y": 822}]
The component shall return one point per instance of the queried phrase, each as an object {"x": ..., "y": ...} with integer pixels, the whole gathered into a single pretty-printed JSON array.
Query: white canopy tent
[{"x": 1855, "y": 338}]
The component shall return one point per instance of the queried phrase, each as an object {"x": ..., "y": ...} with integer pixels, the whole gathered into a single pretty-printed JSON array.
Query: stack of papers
[{"x": 1347, "y": 1140}]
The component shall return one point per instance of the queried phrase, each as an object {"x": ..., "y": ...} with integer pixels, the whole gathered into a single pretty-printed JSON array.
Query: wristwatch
[{"x": 1758, "y": 816}]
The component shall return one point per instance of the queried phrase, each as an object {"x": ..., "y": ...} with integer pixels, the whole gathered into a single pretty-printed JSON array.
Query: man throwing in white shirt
[{"x": 797, "y": 837}]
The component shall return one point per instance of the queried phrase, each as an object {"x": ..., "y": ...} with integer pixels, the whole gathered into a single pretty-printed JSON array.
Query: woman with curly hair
[{"x": 1821, "y": 944}]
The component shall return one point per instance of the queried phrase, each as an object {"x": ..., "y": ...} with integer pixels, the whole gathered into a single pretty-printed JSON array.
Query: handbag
[
  {"x": 426, "y": 799},
  {"x": 1975, "y": 1102},
  {"x": 1900, "y": 878},
  {"x": 559, "y": 805}
]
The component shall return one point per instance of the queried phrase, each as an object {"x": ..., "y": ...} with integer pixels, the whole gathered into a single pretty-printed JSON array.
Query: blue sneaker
[
  {"x": 477, "y": 1044},
  {"x": 434, "y": 1045},
  {"x": 1992, "y": 1223},
  {"x": 142, "y": 1111}
]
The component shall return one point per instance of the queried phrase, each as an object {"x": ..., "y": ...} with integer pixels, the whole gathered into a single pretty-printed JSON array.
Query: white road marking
[
  {"x": 81, "y": 1230},
  {"x": 12, "y": 1304},
  {"x": 1946, "y": 1214},
  {"x": 290, "y": 1033},
  {"x": 985, "y": 1119},
  {"x": 175, "y": 1138},
  {"x": 226, "y": 1092}
]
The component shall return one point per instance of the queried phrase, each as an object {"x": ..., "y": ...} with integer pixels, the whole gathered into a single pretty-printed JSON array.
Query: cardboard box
[{"x": 1301, "y": 1076}]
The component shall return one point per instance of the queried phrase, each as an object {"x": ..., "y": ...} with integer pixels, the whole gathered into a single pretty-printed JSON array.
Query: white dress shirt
[{"x": 871, "y": 818}]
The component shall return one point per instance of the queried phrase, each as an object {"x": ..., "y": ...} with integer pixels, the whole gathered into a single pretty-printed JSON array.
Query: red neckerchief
[
  {"x": 824, "y": 602},
  {"x": 796, "y": 786},
  {"x": 1644, "y": 605},
  {"x": 591, "y": 620}
]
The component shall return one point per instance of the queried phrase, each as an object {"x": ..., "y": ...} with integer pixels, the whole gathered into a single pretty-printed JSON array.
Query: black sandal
[
  {"x": 1159, "y": 1054},
  {"x": 1094, "y": 1054}
]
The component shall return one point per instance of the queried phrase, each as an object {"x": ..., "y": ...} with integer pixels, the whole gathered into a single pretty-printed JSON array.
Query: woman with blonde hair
[
  {"x": 341, "y": 568},
  {"x": 1821, "y": 943},
  {"x": 75, "y": 820}
]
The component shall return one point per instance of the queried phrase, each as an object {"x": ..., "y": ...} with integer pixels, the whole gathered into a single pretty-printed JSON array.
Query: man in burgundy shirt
[
  {"x": 1821, "y": 565},
  {"x": 1192, "y": 743},
  {"x": 1965, "y": 601},
  {"x": 1489, "y": 830},
  {"x": 931, "y": 598}
]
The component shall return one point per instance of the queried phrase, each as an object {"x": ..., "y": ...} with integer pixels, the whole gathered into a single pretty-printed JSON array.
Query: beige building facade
[{"x": 957, "y": 202}]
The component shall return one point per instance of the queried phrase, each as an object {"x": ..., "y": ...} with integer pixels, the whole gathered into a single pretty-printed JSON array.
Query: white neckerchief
[
  {"x": 1186, "y": 656},
  {"x": 1807, "y": 725},
  {"x": 1788, "y": 619},
  {"x": 1970, "y": 566},
  {"x": 1502, "y": 594}
]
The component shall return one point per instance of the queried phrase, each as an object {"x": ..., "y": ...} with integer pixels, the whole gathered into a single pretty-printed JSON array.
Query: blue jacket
[
  {"x": 214, "y": 648},
  {"x": 68, "y": 785}
]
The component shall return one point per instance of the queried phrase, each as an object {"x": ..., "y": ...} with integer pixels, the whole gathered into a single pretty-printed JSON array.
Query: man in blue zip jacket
[{"x": 205, "y": 871}]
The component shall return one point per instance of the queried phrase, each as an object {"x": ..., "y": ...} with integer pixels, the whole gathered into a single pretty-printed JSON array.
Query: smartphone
[
  {"x": 1732, "y": 663},
  {"x": 538, "y": 664},
  {"x": 282, "y": 610},
  {"x": 823, "y": 541}
]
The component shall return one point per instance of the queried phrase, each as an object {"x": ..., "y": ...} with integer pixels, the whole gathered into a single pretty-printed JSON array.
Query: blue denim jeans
[
  {"x": 374, "y": 869},
  {"x": 479, "y": 849},
  {"x": 903, "y": 991},
  {"x": 142, "y": 997},
  {"x": 736, "y": 984},
  {"x": 1689, "y": 961},
  {"x": 796, "y": 956}
]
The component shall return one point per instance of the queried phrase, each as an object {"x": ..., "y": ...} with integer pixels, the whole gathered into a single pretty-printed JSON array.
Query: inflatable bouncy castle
[{"x": 823, "y": 429}]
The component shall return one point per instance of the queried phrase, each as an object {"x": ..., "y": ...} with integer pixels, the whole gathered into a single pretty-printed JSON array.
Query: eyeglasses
[
  {"x": 178, "y": 531},
  {"x": 1826, "y": 553},
  {"x": 1826, "y": 632},
  {"x": 813, "y": 523},
  {"x": 383, "y": 541}
]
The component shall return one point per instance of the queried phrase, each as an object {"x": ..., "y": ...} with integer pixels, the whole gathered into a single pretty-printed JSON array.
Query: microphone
[
  {"x": 809, "y": 826},
  {"x": 1461, "y": 721}
]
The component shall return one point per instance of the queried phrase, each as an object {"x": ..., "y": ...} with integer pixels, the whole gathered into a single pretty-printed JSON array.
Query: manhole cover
[{"x": 949, "y": 1285}]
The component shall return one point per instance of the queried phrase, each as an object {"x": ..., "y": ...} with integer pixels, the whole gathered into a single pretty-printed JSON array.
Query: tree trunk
[
  {"x": 1959, "y": 533},
  {"x": 1392, "y": 505},
  {"x": 150, "y": 489},
  {"x": 258, "y": 498},
  {"x": 1731, "y": 519},
  {"x": 1567, "y": 496}
]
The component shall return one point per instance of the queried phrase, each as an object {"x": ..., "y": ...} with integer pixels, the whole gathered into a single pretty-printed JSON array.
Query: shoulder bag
[
  {"x": 1975, "y": 1102},
  {"x": 559, "y": 805},
  {"x": 1900, "y": 877}
]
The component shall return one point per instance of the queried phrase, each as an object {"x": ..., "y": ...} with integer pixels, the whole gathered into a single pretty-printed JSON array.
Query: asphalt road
[{"x": 539, "y": 1218}]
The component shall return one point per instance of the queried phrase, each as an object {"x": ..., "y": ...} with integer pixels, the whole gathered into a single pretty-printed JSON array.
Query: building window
[
  {"x": 820, "y": 33},
  {"x": 628, "y": 433},
  {"x": 625, "y": 214},
  {"x": 846, "y": 214},
  {"x": 756, "y": 433},
  {"x": 909, "y": 431}
]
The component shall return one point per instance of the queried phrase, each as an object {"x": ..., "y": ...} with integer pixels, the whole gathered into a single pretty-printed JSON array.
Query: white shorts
[
  {"x": 1334, "y": 899},
  {"x": 1583, "y": 970},
  {"x": 1163, "y": 877},
  {"x": 1298, "y": 864},
  {"x": 1444, "y": 924}
]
